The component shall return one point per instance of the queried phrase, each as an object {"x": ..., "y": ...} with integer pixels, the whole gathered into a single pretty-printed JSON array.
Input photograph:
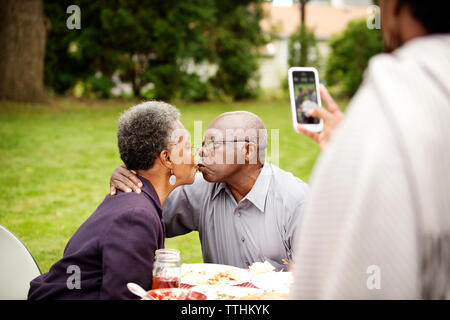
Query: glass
[{"x": 166, "y": 269}]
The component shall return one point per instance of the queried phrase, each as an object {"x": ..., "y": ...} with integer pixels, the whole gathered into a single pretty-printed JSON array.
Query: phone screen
[{"x": 305, "y": 92}]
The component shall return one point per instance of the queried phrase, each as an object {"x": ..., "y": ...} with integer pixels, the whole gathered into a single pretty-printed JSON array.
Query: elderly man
[{"x": 244, "y": 208}]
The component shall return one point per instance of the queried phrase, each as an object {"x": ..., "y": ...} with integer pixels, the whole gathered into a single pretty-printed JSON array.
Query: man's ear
[
  {"x": 166, "y": 160},
  {"x": 251, "y": 153}
]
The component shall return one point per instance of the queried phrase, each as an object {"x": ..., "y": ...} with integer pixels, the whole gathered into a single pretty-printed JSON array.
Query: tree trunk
[
  {"x": 303, "y": 34},
  {"x": 23, "y": 31},
  {"x": 302, "y": 12}
]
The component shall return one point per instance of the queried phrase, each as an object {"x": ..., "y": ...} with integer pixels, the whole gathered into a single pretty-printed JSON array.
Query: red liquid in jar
[{"x": 165, "y": 282}]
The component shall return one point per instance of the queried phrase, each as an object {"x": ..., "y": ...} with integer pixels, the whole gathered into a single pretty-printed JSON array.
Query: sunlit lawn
[{"x": 56, "y": 160}]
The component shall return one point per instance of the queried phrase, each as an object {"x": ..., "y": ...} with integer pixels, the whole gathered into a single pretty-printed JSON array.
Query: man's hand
[
  {"x": 331, "y": 118},
  {"x": 125, "y": 180}
]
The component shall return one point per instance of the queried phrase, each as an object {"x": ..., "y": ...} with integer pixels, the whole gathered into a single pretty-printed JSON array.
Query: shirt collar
[
  {"x": 258, "y": 193},
  {"x": 149, "y": 190},
  {"x": 218, "y": 188}
]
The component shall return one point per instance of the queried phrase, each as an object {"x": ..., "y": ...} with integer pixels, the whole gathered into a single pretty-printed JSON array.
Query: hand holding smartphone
[{"x": 304, "y": 96}]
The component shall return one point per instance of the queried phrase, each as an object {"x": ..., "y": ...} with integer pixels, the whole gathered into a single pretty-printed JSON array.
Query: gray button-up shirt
[{"x": 260, "y": 227}]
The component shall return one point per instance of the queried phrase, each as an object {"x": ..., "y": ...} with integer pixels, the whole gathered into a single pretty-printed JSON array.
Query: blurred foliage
[
  {"x": 303, "y": 49},
  {"x": 194, "y": 89},
  {"x": 143, "y": 42},
  {"x": 350, "y": 54},
  {"x": 236, "y": 45}
]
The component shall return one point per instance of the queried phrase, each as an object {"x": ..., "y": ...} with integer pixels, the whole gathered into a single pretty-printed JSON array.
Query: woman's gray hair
[{"x": 144, "y": 131}]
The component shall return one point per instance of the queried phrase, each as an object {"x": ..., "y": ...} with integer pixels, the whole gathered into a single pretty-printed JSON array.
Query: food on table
[
  {"x": 203, "y": 277},
  {"x": 225, "y": 292},
  {"x": 224, "y": 296},
  {"x": 274, "y": 281},
  {"x": 261, "y": 267},
  {"x": 266, "y": 296},
  {"x": 175, "y": 294},
  {"x": 213, "y": 274},
  {"x": 223, "y": 277}
]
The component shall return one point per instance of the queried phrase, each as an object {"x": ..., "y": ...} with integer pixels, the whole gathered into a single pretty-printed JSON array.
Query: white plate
[
  {"x": 222, "y": 292},
  {"x": 203, "y": 274},
  {"x": 280, "y": 282}
]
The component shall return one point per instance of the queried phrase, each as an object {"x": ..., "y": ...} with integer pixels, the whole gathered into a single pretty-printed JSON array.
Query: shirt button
[{"x": 242, "y": 239}]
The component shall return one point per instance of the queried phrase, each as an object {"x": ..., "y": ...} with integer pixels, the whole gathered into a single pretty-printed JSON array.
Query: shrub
[
  {"x": 100, "y": 86},
  {"x": 147, "y": 42},
  {"x": 350, "y": 54},
  {"x": 193, "y": 88}
]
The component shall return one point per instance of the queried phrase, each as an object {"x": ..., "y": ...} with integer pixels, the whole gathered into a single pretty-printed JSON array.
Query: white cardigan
[{"x": 379, "y": 203}]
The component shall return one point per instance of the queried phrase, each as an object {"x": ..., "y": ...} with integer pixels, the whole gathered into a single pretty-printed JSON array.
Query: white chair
[{"x": 17, "y": 267}]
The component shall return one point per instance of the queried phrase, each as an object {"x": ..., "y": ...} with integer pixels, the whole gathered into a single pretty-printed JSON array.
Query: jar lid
[{"x": 167, "y": 255}]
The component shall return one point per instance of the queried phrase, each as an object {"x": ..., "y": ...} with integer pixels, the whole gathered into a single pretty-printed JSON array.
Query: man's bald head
[
  {"x": 246, "y": 118},
  {"x": 242, "y": 125}
]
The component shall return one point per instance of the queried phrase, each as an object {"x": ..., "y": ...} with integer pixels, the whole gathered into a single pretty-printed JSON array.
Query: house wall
[
  {"x": 354, "y": 3},
  {"x": 273, "y": 69}
]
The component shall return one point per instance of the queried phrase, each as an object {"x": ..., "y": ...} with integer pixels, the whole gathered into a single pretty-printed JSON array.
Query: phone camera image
[{"x": 305, "y": 96}]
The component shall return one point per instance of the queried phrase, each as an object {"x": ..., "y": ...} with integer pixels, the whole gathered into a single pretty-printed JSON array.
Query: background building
[{"x": 283, "y": 18}]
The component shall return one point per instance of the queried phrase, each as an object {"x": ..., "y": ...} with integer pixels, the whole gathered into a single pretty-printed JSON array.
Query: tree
[
  {"x": 150, "y": 42},
  {"x": 303, "y": 37},
  {"x": 140, "y": 41},
  {"x": 236, "y": 36},
  {"x": 23, "y": 29},
  {"x": 303, "y": 50}
]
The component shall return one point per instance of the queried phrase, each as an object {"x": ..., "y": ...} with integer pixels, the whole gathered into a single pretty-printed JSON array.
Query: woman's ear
[{"x": 165, "y": 158}]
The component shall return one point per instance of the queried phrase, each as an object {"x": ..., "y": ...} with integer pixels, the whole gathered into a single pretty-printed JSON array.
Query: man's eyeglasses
[{"x": 211, "y": 145}]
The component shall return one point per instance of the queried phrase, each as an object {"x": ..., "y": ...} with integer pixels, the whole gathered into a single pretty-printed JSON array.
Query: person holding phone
[{"x": 377, "y": 219}]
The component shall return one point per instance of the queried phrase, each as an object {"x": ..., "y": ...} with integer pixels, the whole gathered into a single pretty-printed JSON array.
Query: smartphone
[{"x": 305, "y": 96}]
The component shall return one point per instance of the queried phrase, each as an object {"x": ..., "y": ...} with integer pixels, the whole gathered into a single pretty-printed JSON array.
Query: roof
[{"x": 326, "y": 20}]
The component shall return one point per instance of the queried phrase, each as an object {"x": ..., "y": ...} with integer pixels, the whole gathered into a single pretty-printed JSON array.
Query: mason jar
[{"x": 166, "y": 269}]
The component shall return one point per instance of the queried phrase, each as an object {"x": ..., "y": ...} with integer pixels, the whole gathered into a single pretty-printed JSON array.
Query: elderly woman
[{"x": 117, "y": 243}]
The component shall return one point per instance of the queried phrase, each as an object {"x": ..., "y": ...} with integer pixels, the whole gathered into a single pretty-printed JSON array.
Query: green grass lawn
[{"x": 56, "y": 160}]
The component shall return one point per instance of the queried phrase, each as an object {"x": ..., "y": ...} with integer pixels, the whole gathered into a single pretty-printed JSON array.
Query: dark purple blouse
[{"x": 114, "y": 246}]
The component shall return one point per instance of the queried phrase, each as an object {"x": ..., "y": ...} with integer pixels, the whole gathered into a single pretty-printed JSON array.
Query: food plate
[
  {"x": 213, "y": 274},
  {"x": 226, "y": 292},
  {"x": 280, "y": 282},
  {"x": 175, "y": 294},
  {"x": 266, "y": 296}
]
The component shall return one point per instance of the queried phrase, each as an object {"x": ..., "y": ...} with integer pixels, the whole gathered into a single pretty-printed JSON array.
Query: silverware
[
  {"x": 286, "y": 262},
  {"x": 139, "y": 291}
]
